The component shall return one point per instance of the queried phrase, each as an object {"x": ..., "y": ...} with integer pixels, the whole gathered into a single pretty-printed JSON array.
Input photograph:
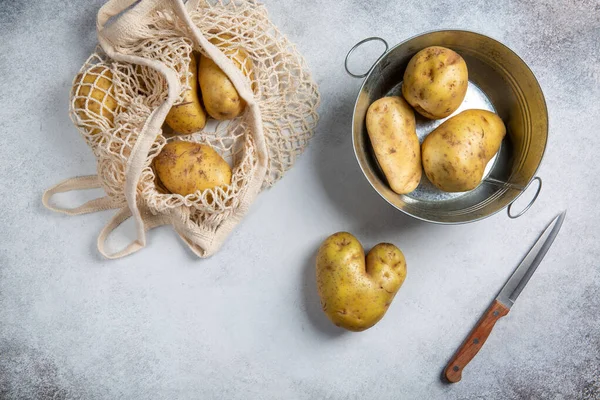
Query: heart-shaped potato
[{"x": 356, "y": 294}]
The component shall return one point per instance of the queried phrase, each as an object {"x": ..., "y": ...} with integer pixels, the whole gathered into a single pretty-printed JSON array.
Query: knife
[{"x": 504, "y": 301}]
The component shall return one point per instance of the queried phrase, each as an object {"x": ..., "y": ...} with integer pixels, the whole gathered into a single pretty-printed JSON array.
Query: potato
[
  {"x": 186, "y": 167},
  {"x": 188, "y": 116},
  {"x": 95, "y": 98},
  {"x": 356, "y": 294},
  {"x": 435, "y": 82},
  {"x": 221, "y": 99},
  {"x": 391, "y": 128},
  {"x": 456, "y": 152}
]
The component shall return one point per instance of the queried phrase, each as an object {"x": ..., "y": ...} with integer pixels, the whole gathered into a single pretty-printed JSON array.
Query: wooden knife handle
[{"x": 474, "y": 341}]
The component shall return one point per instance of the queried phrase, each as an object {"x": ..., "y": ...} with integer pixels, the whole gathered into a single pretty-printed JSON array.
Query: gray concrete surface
[{"x": 246, "y": 323}]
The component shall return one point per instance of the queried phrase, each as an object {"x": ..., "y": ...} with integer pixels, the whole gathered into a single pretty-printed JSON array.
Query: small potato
[
  {"x": 188, "y": 116},
  {"x": 391, "y": 128},
  {"x": 94, "y": 95},
  {"x": 435, "y": 82},
  {"x": 456, "y": 153},
  {"x": 356, "y": 294},
  {"x": 221, "y": 99},
  {"x": 186, "y": 167}
]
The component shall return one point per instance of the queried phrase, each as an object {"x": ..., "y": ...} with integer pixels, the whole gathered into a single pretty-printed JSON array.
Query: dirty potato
[
  {"x": 221, "y": 99},
  {"x": 94, "y": 98},
  {"x": 186, "y": 167},
  {"x": 435, "y": 82},
  {"x": 391, "y": 128},
  {"x": 356, "y": 293},
  {"x": 456, "y": 153},
  {"x": 188, "y": 116}
]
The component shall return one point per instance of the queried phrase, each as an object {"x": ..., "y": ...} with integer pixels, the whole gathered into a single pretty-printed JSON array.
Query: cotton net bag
[{"x": 125, "y": 89}]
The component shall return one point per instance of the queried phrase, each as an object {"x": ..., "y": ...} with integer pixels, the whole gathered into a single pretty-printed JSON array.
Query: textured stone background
[{"x": 246, "y": 323}]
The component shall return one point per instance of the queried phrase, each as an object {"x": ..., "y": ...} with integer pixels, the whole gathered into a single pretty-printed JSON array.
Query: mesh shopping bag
[{"x": 123, "y": 92}]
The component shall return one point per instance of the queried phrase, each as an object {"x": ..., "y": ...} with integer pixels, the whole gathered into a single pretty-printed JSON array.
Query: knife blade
[{"x": 504, "y": 301}]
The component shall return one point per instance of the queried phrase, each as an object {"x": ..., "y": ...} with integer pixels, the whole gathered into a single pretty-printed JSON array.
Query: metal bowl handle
[
  {"x": 537, "y": 193},
  {"x": 357, "y": 45}
]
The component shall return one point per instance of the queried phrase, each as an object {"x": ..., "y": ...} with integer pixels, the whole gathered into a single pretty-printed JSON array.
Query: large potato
[
  {"x": 456, "y": 152},
  {"x": 356, "y": 294},
  {"x": 221, "y": 99},
  {"x": 391, "y": 128},
  {"x": 188, "y": 116},
  {"x": 186, "y": 167},
  {"x": 435, "y": 82},
  {"x": 94, "y": 95}
]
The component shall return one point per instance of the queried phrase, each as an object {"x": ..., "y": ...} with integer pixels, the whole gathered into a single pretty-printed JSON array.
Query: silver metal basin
[{"x": 499, "y": 81}]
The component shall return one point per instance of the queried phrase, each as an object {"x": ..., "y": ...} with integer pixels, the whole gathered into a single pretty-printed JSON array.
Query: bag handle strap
[
  {"x": 150, "y": 221},
  {"x": 152, "y": 127},
  {"x": 206, "y": 245},
  {"x": 191, "y": 5},
  {"x": 78, "y": 183},
  {"x": 111, "y": 9}
]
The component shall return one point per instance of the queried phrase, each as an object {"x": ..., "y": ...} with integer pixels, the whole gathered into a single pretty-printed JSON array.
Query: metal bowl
[{"x": 499, "y": 81}]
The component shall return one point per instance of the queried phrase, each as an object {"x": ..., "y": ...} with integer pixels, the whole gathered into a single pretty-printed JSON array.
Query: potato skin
[
  {"x": 391, "y": 128},
  {"x": 186, "y": 167},
  {"x": 456, "y": 152},
  {"x": 189, "y": 116},
  {"x": 221, "y": 99},
  {"x": 355, "y": 295},
  {"x": 435, "y": 82},
  {"x": 100, "y": 97}
]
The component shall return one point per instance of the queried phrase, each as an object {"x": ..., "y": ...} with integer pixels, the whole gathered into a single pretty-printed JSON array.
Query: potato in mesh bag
[{"x": 94, "y": 100}]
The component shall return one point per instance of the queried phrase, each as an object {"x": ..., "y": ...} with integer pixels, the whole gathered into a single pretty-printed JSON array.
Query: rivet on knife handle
[{"x": 474, "y": 341}]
